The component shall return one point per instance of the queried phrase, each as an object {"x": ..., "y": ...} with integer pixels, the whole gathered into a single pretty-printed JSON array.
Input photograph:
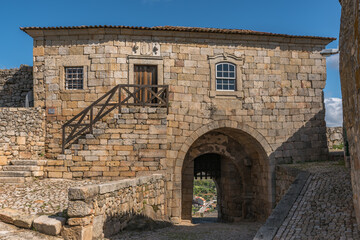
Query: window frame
[
  {"x": 66, "y": 78},
  {"x": 74, "y": 61},
  {"x": 226, "y": 58},
  {"x": 222, "y": 78}
]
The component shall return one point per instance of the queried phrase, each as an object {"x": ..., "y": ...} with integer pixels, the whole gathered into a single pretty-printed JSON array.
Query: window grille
[
  {"x": 74, "y": 78},
  {"x": 225, "y": 77}
]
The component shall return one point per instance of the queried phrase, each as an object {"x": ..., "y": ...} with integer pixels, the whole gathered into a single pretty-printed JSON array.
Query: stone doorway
[{"x": 240, "y": 170}]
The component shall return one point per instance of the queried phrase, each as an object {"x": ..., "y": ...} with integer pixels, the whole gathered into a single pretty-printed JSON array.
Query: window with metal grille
[
  {"x": 74, "y": 78},
  {"x": 225, "y": 77}
]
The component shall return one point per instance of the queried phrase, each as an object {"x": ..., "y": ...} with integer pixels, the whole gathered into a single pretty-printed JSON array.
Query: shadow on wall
[
  {"x": 132, "y": 222},
  {"x": 307, "y": 144},
  {"x": 16, "y": 86}
]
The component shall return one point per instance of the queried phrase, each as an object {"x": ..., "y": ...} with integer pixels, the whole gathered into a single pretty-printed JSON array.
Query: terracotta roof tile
[{"x": 180, "y": 29}]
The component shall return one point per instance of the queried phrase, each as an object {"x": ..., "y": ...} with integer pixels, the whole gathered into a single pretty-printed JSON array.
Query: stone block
[
  {"x": 9, "y": 215},
  {"x": 77, "y": 232},
  {"x": 82, "y": 193},
  {"x": 24, "y": 221},
  {"x": 79, "y": 209},
  {"x": 50, "y": 225},
  {"x": 21, "y": 140},
  {"x": 3, "y": 160},
  {"x": 80, "y": 221},
  {"x": 157, "y": 129}
]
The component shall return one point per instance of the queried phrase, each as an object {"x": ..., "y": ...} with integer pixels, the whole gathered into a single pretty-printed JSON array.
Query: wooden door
[{"x": 145, "y": 75}]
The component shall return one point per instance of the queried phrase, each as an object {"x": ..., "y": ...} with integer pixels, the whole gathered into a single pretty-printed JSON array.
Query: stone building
[
  {"x": 123, "y": 102},
  {"x": 349, "y": 44}
]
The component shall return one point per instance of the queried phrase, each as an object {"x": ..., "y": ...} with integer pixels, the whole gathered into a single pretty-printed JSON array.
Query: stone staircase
[{"x": 20, "y": 171}]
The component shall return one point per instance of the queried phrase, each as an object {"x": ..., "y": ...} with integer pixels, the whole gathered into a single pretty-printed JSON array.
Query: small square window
[{"x": 74, "y": 78}]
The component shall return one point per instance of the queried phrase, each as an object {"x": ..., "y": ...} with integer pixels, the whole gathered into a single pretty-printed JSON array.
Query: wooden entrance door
[{"x": 145, "y": 75}]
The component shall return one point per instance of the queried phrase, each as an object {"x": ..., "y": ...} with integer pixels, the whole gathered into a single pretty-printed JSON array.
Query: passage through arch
[{"x": 240, "y": 168}]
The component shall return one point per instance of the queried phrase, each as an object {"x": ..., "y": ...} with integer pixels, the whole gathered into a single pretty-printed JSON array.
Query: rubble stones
[
  {"x": 47, "y": 196},
  {"x": 334, "y": 136}
]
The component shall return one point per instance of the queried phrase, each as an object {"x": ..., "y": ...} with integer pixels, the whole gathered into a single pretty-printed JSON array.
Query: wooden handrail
[{"x": 158, "y": 96}]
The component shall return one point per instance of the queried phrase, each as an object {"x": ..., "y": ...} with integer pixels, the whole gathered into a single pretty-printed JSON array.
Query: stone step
[
  {"x": 15, "y": 173},
  {"x": 28, "y": 162},
  {"x": 12, "y": 179},
  {"x": 21, "y": 168}
]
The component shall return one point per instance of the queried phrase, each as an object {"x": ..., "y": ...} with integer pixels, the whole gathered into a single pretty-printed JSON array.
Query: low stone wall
[
  {"x": 334, "y": 136},
  {"x": 285, "y": 176},
  {"x": 102, "y": 210},
  {"x": 131, "y": 145},
  {"x": 14, "y": 85},
  {"x": 22, "y": 134}
]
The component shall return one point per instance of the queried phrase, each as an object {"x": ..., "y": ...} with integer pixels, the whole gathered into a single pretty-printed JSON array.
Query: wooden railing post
[
  {"x": 91, "y": 120},
  {"x": 63, "y": 139},
  {"x": 119, "y": 99}
]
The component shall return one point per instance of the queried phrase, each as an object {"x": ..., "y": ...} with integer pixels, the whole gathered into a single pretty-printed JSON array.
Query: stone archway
[{"x": 247, "y": 150}]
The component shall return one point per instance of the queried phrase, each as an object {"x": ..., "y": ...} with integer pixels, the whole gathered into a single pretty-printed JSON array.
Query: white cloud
[
  {"x": 333, "y": 61},
  {"x": 334, "y": 113}
]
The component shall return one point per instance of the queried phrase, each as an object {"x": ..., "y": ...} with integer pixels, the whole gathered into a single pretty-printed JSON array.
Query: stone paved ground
[
  {"x": 324, "y": 208},
  {"x": 47, "y": 196},
  {"x": 203, "y": 231}
]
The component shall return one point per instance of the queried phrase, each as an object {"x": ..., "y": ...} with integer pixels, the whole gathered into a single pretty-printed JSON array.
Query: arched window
[{"x": 225, "y": 77}]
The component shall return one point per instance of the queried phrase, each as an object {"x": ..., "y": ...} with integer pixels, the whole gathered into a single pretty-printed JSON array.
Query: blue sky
[{"x": 306, "y": 17}]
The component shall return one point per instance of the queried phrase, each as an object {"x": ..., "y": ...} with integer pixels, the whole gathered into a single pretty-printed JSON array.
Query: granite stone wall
[
  {"x": 15, "y": 84},
  {"x": 115, "y": 147},
  {"x": 350, "y": 85},
  {"x": 277, "y": 110},
  {"x": 22, "y": 134},
  {"x": 102, "y": 210}
]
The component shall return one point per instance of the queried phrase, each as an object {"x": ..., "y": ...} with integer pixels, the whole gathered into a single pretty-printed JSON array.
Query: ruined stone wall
[
  {"x": 278, "y": 102},
  {"x": 114, "y": 150},
  {"x": 14, "y": 85},
  {"x": 334, "y": 136},
  {"x": 22, "y": 134},
  {"x": 350, "y": 85},
  {"x": 103, "y": 210}
]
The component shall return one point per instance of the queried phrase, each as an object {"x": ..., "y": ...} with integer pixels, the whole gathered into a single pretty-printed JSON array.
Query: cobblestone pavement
[
  {"x": 324, "y": 208},
  {"x": 203, "y": 231},
  {"x": 46, "y": 196},
  {"x": 10, "y": 232}
]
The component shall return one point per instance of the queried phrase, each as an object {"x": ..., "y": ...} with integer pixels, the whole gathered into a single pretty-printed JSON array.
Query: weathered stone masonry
[
  {"x": 22, "y": 134},
  {"x": 276, "y": 113},
  {"x": 102, "y": 210},
  {"x": 15, "y": 84},
  {"x": 350, "y": 85}
]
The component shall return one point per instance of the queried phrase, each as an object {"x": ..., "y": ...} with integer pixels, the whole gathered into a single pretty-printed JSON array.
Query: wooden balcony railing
[{"x": 118, "y": 97}]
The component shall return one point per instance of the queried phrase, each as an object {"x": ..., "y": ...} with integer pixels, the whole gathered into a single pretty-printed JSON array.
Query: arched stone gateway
[{"x": 246, "y": 181}]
